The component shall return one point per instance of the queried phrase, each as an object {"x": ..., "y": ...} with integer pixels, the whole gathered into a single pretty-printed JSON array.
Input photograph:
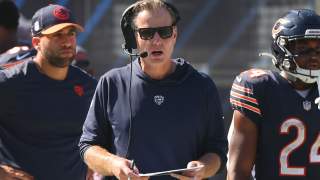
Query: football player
[{"x": 275, "y": 128}]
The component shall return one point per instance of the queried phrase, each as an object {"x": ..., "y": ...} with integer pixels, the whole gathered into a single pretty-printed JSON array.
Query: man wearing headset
[
  {"x": 163, "y": 115},
  {"x": 275, "y": 127}
]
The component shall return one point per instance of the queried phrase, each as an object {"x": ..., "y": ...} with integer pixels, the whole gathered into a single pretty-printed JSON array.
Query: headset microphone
[{"x": 144, "y": 54}]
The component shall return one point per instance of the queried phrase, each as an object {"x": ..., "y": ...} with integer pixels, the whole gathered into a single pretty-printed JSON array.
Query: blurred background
[{"x": 219, "y": 37}]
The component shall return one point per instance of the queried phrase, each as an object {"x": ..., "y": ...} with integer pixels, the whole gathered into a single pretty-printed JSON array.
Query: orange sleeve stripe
[
  {"x": 242, "y": 89},
  {"x": 8, "y": 65},
  {"x": 246, "y": 98},
  {"x": 240, "y": 104}
]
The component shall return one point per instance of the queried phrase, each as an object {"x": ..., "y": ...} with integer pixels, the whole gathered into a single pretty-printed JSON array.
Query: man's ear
[
  {"x": 175, "y": 32},
  {"x": 35, "y": 42}
]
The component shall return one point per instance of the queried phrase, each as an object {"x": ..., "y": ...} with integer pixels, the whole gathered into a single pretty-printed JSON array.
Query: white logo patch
[
  {"x": 36, "y": 26},
  {"x": 158, "y": 99},
  {"x": 238, "y": 78},
  {"x": 180, "y": 61},
  {"x": 306, "y": 105}
]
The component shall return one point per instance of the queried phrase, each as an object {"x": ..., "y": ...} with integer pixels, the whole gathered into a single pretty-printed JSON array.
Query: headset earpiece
[{"x": 127, "y": 31}]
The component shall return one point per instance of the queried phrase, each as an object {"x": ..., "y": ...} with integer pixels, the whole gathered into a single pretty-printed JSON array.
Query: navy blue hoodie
[{"x": 174, "y": 120}]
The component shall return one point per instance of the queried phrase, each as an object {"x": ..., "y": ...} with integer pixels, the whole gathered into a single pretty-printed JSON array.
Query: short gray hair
[{"x": 151, "y": 5}]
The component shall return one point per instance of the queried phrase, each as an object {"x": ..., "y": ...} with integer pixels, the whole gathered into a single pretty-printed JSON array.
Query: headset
[{"x": 128, "y": 31}]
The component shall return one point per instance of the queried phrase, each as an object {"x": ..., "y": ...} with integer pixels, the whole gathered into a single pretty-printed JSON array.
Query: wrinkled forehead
[{"x": 153, "y": 18}]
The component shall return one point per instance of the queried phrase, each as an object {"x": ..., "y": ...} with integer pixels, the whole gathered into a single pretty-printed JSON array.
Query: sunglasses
[{"x": 148, "y": 33}]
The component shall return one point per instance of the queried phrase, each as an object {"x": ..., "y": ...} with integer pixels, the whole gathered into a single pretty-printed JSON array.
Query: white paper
[{"x": 161, "y": 173}]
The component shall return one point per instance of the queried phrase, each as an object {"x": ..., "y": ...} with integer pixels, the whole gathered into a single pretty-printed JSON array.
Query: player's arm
[{"x": 242, "y": 137}]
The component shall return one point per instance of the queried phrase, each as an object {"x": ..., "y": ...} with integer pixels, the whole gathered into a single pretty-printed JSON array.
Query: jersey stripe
[
  {"x": 242, "y": 89},
  {"x": 244, "y": 97},
  {"x": 8, "y": 65},
  {"x": 244, "y": 105}
]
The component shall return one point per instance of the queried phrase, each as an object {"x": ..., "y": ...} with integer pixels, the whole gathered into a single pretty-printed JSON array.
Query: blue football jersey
[{"x": 289, "y": 132}]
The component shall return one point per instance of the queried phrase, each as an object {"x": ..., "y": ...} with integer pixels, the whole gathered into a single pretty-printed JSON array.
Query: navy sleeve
[
  {"x": 216, "y": 133},
  {"x": 96, "y": 128},
  {"x": 245, "y": 93}
]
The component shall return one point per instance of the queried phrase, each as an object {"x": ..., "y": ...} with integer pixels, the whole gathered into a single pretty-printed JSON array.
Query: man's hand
[
  {"x": 121, "y": 169},
  {"x": 105, "y": 163},
  {"x": 9, "y": 173},
  {"x": 197, "y": 174}
]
